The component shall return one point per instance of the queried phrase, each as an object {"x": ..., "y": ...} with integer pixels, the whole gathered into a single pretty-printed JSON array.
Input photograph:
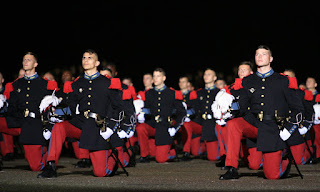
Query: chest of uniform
[
  {"x": 161, "y": 100},
  {"x": 91, "y": 90},
  {"x": 263, "y": 88},
  {"x": 30, "y": 90},
  {"x": 206, "y": 97}
]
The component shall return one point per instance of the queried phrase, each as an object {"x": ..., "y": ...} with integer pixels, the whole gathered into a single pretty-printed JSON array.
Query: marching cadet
[
  {"x": 205, "y": 98},
  {"x": 192, "y": 128},
  {"x": 95, "y": 117},
  {"x": 265, "y": 95},
  {"x": 24, "y": 96},
  {"x": 159, "y": 105}
]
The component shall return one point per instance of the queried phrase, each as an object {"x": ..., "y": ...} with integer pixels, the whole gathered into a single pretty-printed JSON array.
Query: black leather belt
[{"x": 262, "y": 117}]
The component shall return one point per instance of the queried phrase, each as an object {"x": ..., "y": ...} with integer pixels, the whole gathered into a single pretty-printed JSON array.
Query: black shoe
[
  {"x": 144, "y": 160},
  {"x": 49, "y": 171},
  {"x": 83, "y": 163},
  {"x": 222, "y": 161},
  {"x": 232, "y": 173},
  {"x": 8, "y": 157},
  {"x": 287, "y": 171},
  {"x": 1, "y": 164},
  {"x": 186, "y": 157}
]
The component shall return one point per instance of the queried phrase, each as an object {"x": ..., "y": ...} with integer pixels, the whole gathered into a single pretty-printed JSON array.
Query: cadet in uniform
[{"x": 265, "y": 94}]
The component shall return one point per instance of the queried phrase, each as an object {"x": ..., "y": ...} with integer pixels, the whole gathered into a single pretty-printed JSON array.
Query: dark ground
[{"x": 195, "y": 175}]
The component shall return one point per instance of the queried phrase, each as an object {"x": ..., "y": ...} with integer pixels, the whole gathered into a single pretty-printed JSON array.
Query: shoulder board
[
  {"x": 133, "y": 92},
  {"x": 237, "y": 84},
  {"x": 228, "y": 88},
  {"x": 178, "y": 95},
  {"x": 67, "y": 87},
  {"x": 8, "y": 89},
  {"x": 115, "y": 84},
  {"x": 317, "y": 98},
  {"x": 126, "y": 94},
  {"x": 52, "y": 85},
  {"x": 293, "y": 84},
  {"x": 193, "y": 95},
  {"x": 107, "y": 76},
  {"x": 308, "y": 96},
  {"x": 142, "y": 95}
]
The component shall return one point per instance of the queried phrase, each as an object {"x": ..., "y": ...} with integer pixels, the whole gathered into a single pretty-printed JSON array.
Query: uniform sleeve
[
  {"x": 244, "y": 103},
  {"x": 116, "y": 113},
  {"x": 180, "y": 113}
]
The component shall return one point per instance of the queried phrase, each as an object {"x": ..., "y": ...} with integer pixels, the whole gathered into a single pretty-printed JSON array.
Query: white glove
[
  {"x": 55, "y": 120},
  {"x": 316, "y": 108},
  {"x": 224, "y": 100},
  {"x": 217, "y": 113},
  {"x": 107, "y": 134},
  {"x": 122, "y": 134},
  {"x": 185, "y": 105},
  {"x": 131, "y": 133},
  {"x": 77, "y": 110},
  {"x": 141, "y": 118},
  {"x": 303, "y": 130},
  {"x": 284, "y": 134},
  {"x": 221, "y": 122},
  {"x": 49, "y": 100},
  {"x": 138, "y": 105},
  {"x": 46, "y": 134},
  {"x": 2, "y": 100},
  {"x": 172, "y": 131},
  {"x": 187, "y": 119}
]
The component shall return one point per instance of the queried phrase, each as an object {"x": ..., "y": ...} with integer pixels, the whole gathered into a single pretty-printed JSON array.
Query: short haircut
[
  {"x": 184, "y": 76},
  {"x": 265, "y": 47},
  {"x": 33, "y": 54},
  {"x": 249, "y": 63},
  {"x": 291, "y": 70},
  {"x": 160, "y": 70},
  {"x": 91, "y": 51},
  {"x": 210, "y": 70}
]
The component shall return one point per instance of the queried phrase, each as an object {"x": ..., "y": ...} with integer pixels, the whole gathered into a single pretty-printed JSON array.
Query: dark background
[{"x": 180, "y": 36}]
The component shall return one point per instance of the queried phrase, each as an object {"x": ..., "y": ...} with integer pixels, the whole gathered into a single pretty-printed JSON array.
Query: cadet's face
[
  {"x": 158, "y": 78},
  {"x": 220, "y": 84},
  {"x": 288, "y": 73},
  {"x": 263, "y": 57},
  {"x": 209, "y": 76},
  {"x": 243, "y": 71},
  {"x": 29, "y": 62},
  {"x": 147, "y": 80},
  {"x": 183, "y": 83},
  {"x": 311, "y": 83},
  {"x": 89, "y": 61}
]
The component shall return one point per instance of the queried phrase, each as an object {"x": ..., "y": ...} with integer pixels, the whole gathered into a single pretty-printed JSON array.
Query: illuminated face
[
  {"x": 29, "y": 62},
  {"x": 209, "y": 76},
  {"x": 243, "y": 71},
  {"x": 263, "y": 57},
  {"x": 147, "y": 80},
  {"x": 89, "y": 61},
  {"x": 183, "y": 83},
  {"x": 158, "y": 78}
]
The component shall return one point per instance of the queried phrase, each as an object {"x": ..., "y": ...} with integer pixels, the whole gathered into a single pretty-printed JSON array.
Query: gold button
[
  {"x": 263, "y": 79},
  {"x": 208, "y": 91},
  {"x": 208, "y": 96},
  {"x": 206, "y": 107},
  {"x": 29, "y": 81},
  {"x": 89, "y": 96},
  {"x": 262, "y": 95},
  {"x": 158, "y": 104},
  {"x": 248, "y": 108},
  {"x": 89, "y": 110},
  {"x": 90, "y": 81},
  {"x": 158, "y": 110},
  {"x": 262, "y": 104},
  {"x": 27, "y": 102},
  {"x": 184, "y": 100},
  {"x": 205, "y": 112},
  {"x": 159, "y": 98},
  {"x": 89, "y": 103},
  {"x": 27, "y": 95},
  {"x": 207, "y": 101},
  {"x": 262, "y": 87},
  {"x": 28, "y": 88},
  {"x": 159, "y": 92},
  {"x": 90, "y": 88}
]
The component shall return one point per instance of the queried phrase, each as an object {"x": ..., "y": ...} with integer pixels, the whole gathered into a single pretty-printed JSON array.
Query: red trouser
[
  {"x": 190, "y": 128},
  {"x": 102, "y": 162},
  {"x": 221, "y": 135},
  {"x": 162, "y": 152},
  {"x": 124, "y": 157},
  {"x": 60, "y": 132},
  {"x": 10, "y": 131},
  {"x": 36, "y": 156},
  {"x": 6, "y": 146},
  {"x": 273, "y": 165},
  {"x": 197, "y": 147},
  {"x": 79, "y": 152},
  {"x": 212, "y": 148},
  {"x": 316, "y": 142},
  {"x": 300, "y": 152}
]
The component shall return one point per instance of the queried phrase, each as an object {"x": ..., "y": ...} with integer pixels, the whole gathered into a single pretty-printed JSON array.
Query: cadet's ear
[
  {"x": 97, "y": 63},
  {"x": 271, "y": 59},
  {"x": 164, "y": 78}
]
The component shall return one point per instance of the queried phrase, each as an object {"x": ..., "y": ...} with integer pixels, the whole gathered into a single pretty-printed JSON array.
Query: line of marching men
[{"x": 107, "y": 118}]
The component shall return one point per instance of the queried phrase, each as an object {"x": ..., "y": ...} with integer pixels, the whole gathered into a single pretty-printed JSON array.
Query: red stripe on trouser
[
  {"x": 79, "y": 152},
  {"x": 299, "y": 153},
  {"x": 212, "y": 148},
  {"x": 190, "y": 129},
  {"x": 10, "y": 131},
  {"x": 236, "y": 128},
  {"x": 316, "y": 142},
  {"x": 123, "y": 156},
  {"x": 59, "y": 133},
  {"x": 254, "y": 158},
  {"x": 36, "y": 156},
  {"x": 273, "y": 165},
  {"x": 197, "y": 147},
  {"x": 164, "y": 153},
  {"x": 221, "y": 135},
  {"x": 144, "y": 131},
  {"x": 102, "y": 162},
  {"x": 6, "y": 146}
]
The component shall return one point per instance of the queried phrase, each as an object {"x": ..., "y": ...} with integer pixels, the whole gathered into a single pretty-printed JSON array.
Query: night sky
[{"x": 180, "y": 36}]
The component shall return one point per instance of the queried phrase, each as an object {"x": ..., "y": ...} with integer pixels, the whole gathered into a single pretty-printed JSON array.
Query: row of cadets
[
  {"x": 156, "y": 119},
  {"x": 23, "y": 116},
  {"x": 90, "y": 100}
]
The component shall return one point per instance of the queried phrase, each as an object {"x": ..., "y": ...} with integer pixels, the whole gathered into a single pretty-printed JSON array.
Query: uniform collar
[
  {"x": 185, "y": 93},
  {"x": 161, "y": 89},
  {"x": 210, "y": 88},
  {"x": 97, "y": 74},
  {"x": 267, "y": 74},
  {"x": 31, "y": 77}
]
